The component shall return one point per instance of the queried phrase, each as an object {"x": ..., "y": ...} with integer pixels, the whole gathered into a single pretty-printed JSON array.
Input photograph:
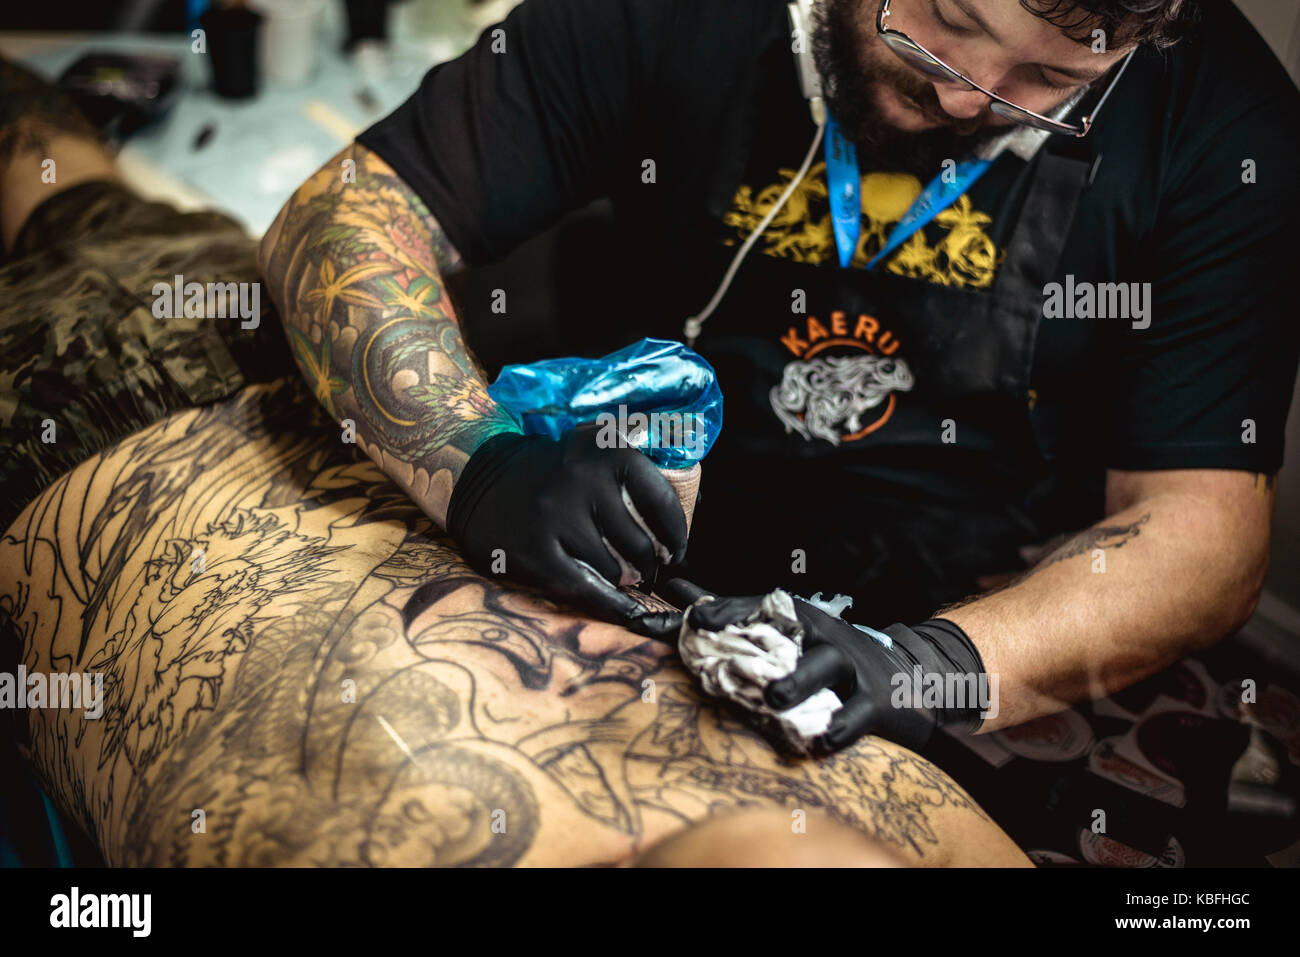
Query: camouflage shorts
[{"x": 84, "y": 358}]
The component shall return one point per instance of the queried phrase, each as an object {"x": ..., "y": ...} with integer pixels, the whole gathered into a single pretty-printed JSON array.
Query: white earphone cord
[{"x": 693, "y": 325}]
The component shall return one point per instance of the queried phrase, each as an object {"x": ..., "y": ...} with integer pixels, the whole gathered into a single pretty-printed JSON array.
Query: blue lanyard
[{"x": 844, "y": 185}]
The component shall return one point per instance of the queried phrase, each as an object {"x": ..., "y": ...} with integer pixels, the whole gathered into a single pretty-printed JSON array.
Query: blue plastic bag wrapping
[{"x": 655, "y": 395}]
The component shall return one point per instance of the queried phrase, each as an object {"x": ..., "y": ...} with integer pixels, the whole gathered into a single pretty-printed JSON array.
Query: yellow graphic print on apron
[{"x": 964, "y": 256}]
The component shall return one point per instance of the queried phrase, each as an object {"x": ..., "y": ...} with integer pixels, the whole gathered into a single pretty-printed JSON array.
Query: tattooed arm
[
  {"x": 298, "y": 668},
  {"x": 1177, "y": 564},
  {"x": 355, "y": 263}
]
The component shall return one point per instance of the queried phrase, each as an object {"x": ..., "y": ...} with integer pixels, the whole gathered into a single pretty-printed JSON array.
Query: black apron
[{"x": 831, "y": 473}]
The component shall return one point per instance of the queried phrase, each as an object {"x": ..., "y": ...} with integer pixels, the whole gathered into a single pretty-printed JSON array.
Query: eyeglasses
[{"x": 915, "y": 55}]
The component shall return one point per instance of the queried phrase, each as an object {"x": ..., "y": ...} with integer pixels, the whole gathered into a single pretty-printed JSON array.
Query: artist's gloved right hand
[{"x": 535, "y": 509}]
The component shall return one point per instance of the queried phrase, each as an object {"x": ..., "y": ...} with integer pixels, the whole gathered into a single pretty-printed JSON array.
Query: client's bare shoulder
[{"x": 297, "y": 668}]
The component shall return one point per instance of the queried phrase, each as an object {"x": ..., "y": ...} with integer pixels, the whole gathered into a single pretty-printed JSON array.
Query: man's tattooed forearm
[
  {"x": 1059, "y": 549},
  {"x": 1099, "y": 536},
  {"x": 355, "y": 267}
]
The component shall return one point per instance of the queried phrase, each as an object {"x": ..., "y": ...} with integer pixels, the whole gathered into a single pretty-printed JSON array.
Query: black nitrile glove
[
  {"x": 861, "y": 670},
  {"x": 546, "y": 503}
]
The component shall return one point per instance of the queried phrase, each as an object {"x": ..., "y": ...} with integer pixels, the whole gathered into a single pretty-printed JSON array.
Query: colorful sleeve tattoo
[{"x": 355, "y": 263}]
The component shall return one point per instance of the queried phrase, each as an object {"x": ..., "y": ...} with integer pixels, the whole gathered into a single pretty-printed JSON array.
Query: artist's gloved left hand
[{"x": 861, "y": 670}]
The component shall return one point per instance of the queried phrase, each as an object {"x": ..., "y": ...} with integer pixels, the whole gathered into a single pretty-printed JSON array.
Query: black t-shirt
[{"x": 687, "y": 115}]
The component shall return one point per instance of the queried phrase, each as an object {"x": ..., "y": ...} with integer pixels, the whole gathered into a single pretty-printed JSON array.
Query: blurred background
[
  {"x": 276, "y": 89},
  {"x": 283, "y": 84}
]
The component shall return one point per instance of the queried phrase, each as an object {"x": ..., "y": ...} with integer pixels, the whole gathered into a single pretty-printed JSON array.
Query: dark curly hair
[{"x": 1159, "y": 22}]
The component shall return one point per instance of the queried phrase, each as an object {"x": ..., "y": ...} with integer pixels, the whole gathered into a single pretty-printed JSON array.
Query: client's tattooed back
[{"x": 297, "y": 668}]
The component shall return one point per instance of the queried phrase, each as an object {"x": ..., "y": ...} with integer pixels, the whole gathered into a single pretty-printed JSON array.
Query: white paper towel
[{"x": 739, "y": 662}]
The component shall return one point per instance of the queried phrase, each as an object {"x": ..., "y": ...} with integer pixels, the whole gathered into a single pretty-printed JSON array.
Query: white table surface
[{"x": 261, "y": 149}]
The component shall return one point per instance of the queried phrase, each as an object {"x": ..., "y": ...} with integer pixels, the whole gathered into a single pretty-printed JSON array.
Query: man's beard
[{"x": 850, "y": 78}]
